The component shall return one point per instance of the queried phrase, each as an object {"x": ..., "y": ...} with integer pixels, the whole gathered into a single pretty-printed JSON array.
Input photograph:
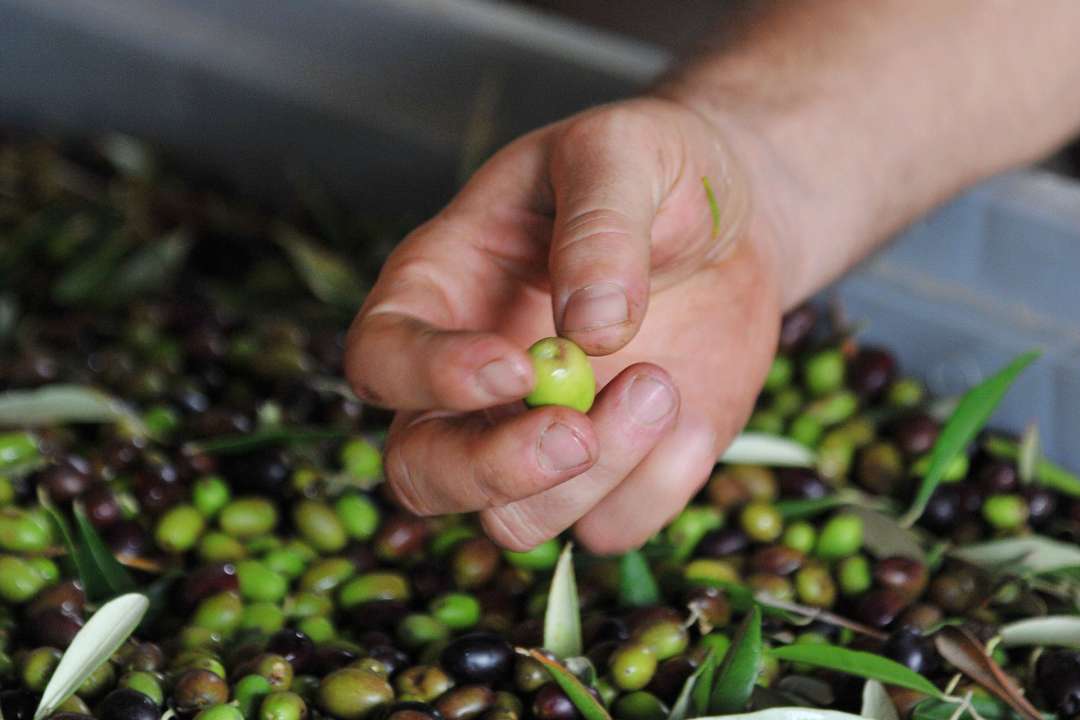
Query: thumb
[{"x": 606, "y": 188}]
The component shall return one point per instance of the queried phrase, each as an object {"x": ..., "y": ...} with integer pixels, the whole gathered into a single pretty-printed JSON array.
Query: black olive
[
  {"x": 126, "y": 704},
  {"x": 722, "y": 543},
  {"x": 872, "y": 371},
  {"x": 909, "y": 647},
  {"x": 1058, "y": 676},
  {"x": 478, "y": 658},
  {"x": 294, "y": 646},
  {"x": 408, "y": 711},
  {"x": 18, "y": 704}
]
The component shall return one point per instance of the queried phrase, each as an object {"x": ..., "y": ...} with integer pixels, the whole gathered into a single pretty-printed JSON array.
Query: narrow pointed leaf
[
  {"x": 857, "y": 663},
  {"x": 586, "y": 704},
  {"x": 988, "y": 708},
  {"x": 637, "y": 587},
  {"x": 703, "y": 688},
  {"x": 329, "y": 277},
  {"x": 1046, "y": 473},
  {"x": 115, "y": 575},
  {"x": 970, "y": 415},
  {"x": 102, "y": 635},
  {"x": 1032, "y": 554},
  {"x": 802, "y": 509},
  {"x": 59, "y": 404},
  {"x": 884, "y": 536},
  {"x": 754, "y": 448},
  {"x": 1056, "y": 630},
  {"x": 232, "y": 444},
  {"x": 94, "y": 582},
  {"x": 1029, "y": 454},
  {"x": 686, "y": 705},
  {"x": 967, "y": 655},
  {"x": 876, "y": 703},
  {"x": 740, "y": 669},
  {"x": 789, "y": 713},
  {"x": 562, "y": 619},
  {"x": 150, "y": 268}
]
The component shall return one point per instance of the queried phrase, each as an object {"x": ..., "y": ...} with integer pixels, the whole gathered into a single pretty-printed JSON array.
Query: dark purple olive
[
  {"x": 1042, "y": 504},
  {"x": 878, "y": 608},
  {"x": 294, "y": 646},
  {"x": 475, "y": 562},
  {"x": 408, "y": 711},
  {"x": 801, "y": 484},
  {"x": 1057, "y": 675},
  {"x": 602, "y": 628},
  {"x": 393, "y": 658},
  {"x": 206, "y": 581},
  {"x": 957, "y": 589},
  {"x": 328, "y": 658},
  {"x": 942, "y": 510},
  {"x": 904, "y": 575},
  {"x": 465, "y": 702},
  {"x": 722, "y": 543},
  {"x": 127, "y": 537},
  {"x": 400, "y": 536},
  {"x": 711, "y": 604},
  {"x": 527, "y": 633},
  {"x": 776, "y": 560},
  {"x": 915, "y": 433},
  {"x": 101, "y": 507},
  {"x": 909, "y": 647},
  {"x": 669, "y": 678},
  {"x": 796, "y": 327},
  {"x": 125, "y": 704},
  {"x": 968, "y": 498},
  {"x": 54, "y": 627},
  {"x": 996, "y": 477},
  {"x": 158, "y": 487},
  {"x": 18, "y": 704},
  {"x": 478, "y": 658},
  {"x": 121, "y": 453},
  {"x": 263, "y": 472},
  {"x": 429, "y": 579},
  {"x": 67, "y": 480},
  {"x": 378, "y": 614},
  {"x": 872, "y": 370},
  {"x": 551, "y": 703},
  {"x": 921, "y": 616},
  {"x": 67, "y": 596}
]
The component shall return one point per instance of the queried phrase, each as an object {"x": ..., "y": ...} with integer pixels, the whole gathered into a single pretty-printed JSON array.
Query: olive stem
[{"x": 822, "y": 615}]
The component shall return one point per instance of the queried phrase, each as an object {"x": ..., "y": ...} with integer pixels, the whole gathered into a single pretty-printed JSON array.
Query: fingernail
[
  {"x": 561, "y": 449},
  {"x": 503, "y": 379},
  {"x": 595, "y": 306},
  {"x": 650, "y": 400}
]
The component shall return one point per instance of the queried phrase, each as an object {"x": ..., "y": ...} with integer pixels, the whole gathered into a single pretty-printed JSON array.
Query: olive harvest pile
[{"x": 170, "y": 364}]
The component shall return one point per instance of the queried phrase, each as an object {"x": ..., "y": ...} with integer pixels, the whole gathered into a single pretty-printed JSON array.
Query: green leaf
[
  {"x": 84, "y": 281},
  {"x": 150, "y": 268},
  {"x": 1046, "y": 473},
  {"x": 562, "y": 618},
  {"x": 232, "y": 444},
  {"x": 884, "y": 537},
  {"x": 17, "y": 449},
  {"x": 103, "y": 634},
  {"x": 637, "y": 586},
  {"x": 586, "y": 704},
  {"x": 1029, "y": 454},
  {"x": 327, "y": 276},
  {"x": 1056, "y": 630},
  {"x": 802, "y": 509},
  {"x": 693, "y": 699},
  {"x": 59, "y": 404},
  {"x": 714, "y": 206},
  {"x": 1034, "y": 554},
  {"x": 970, "y": 415},
  {"x": 741, "y": 666},
  {"x": 987, "y": 707},
  {"x": 789, "y": 713},
  {"x": 116, "y": 576},
  {"x": 855, "y": 662},
  {"x": 755, "y": 448},
  {"x": 876, "y": 703},
  {"x": 93, "y": 581}
]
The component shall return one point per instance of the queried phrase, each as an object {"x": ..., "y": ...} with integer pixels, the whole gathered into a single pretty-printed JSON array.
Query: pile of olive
[{"x": 300, "y": 591}]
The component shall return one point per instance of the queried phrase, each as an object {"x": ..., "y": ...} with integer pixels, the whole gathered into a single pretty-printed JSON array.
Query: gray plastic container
[{"x": 382, "y": 100}]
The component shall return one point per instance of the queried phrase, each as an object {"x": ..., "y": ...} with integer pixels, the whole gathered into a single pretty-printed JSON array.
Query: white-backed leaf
[
  {"x": 562, "y": 618},
  {"x": 328, "y": 276},
  {"x": 1032, "y": 554},
  {"x": 755, "y": 448},
  {"x": 1029, "y": 454},
  {"x": 1056, "y": 630},
  {"x": 884, "y": 536},
  {"x": 95, "y": 643},
  {"x": 788, "y": 713},
  {"x": 58, "y": 404},
  {"x": 876, "y": 703}
]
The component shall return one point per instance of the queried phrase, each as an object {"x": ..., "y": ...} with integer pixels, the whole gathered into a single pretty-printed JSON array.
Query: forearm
[{"x": 874, "y": 112}]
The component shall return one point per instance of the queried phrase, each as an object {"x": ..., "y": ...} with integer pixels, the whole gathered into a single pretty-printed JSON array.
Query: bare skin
[{"x": 822, "y": 130}]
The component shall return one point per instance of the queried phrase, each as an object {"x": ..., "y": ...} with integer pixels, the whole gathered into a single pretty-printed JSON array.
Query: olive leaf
[
  {"x": 1056, "y": 630},
  {"x": 686, "y": 704},
  {"x": 1034, "y": 554},
  {"x": 755, "y": 448},
  {"x": 788, "y": 713},
  {"x": 116, "y": 576},
  {"x": 801, "y": 509},
  {"x": 59, "y": 404},
  {"x": 245, "y": 442},
  {"x": 103, "y": 634},
  {"x": 957, "y": 647},
  {"x": 884, "y": 537},
  {"x": 562, "y": 618},
  {"x": 329, "y": 277},
  {"x": 1029, "y": 454},
  {"x": 637, "y": 587},
  {"x": 585, "y": 702},
  {"x": 988, "y": 708},
  {"x": 970, "y": 415},
  {"x": 740, "y": 668},
  {"x": 150, "y": 268},
  {"x": 85, "y": 281},
  {"x": 1045, "y": 472},
  {"x": 876, "y": 703},
  {"x": 714, "y": 206},
  {"x": 857, "y": 663}
]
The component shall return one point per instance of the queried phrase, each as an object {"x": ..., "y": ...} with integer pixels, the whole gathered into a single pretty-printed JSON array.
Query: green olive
[
  {"x": 179, "y": 529},
  {"x": 217, "y": 547},
  {"x": 418, "y": 629},
  {"x": 707, "y": 569},
  {"x": 260, "y": 583},
  {"x": 805, "y": 429},
  {"x": 529, "y": 674},
  {"x": 563, "y": 373},
  {"x": 266, "y": 617},
  {"x": 248, "y": 517},
  {"x": 283, "y": 705},
  {"x": 220, "y": 712},
  {"x": 780, "y": 373},
  {"x": 632, "y": 666},
  {"x": 194, "y": 637},
  {"x": 361, "y": 459},
  {"x": 210, "y": 494},
  {"x": 786, "y": 402},
  {"x": 19, "y": 581},
  {"x": 639, "y": 705},
  {"x": 423, "y": 683},
  {"x": 97, "y": 683},
  {"x": 542, "y": 557},
  {"x": 145, "y": 682},
  {"x": 319, "y": 525},
  {"x": 221, "y": 613},
  {"x": 319, "y": 629},
  {"x": 457, "y": 611},
  {"x": 352, "y": 694},
  {"x": 358, "y": 515},
  {"x": 326, "y": 575},
  {"x": 666, "y": 638},
  {"x": 841, "y": 536},
  {"x": 38, "y": 666},
  {"x": 691, "y": 525},
  {"x": 466, "y": 702},
  {"x": 249, "y": 692},
  {"x": 800, "y": 535},
  {"x": 1005, "y": 512},
  {"x": 373, "y": 586},
  {"x": 815, "y": 587},
  {"x": 20, "y": 532},
  {"x": 306, "y": 604},
  {"x": 274, "y": 668},
  {"x": 285, "y": 561},
  {"x": 761, "y": 522},
  {"x": 905, "y": 393},
  {"x": 853, "y": 573},
  {"x": 823, "y": 372},
  {"x": 766, "y": 420}
]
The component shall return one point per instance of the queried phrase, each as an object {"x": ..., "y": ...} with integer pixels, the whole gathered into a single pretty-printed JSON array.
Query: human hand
[{"x": 598, "y": 228}]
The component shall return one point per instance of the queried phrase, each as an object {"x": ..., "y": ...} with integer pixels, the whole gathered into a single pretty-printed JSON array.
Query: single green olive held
[{"x": 564, "y": 375}]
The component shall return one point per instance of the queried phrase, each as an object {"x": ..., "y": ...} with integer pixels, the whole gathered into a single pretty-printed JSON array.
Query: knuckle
[{"x": 403, "y": 482}]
